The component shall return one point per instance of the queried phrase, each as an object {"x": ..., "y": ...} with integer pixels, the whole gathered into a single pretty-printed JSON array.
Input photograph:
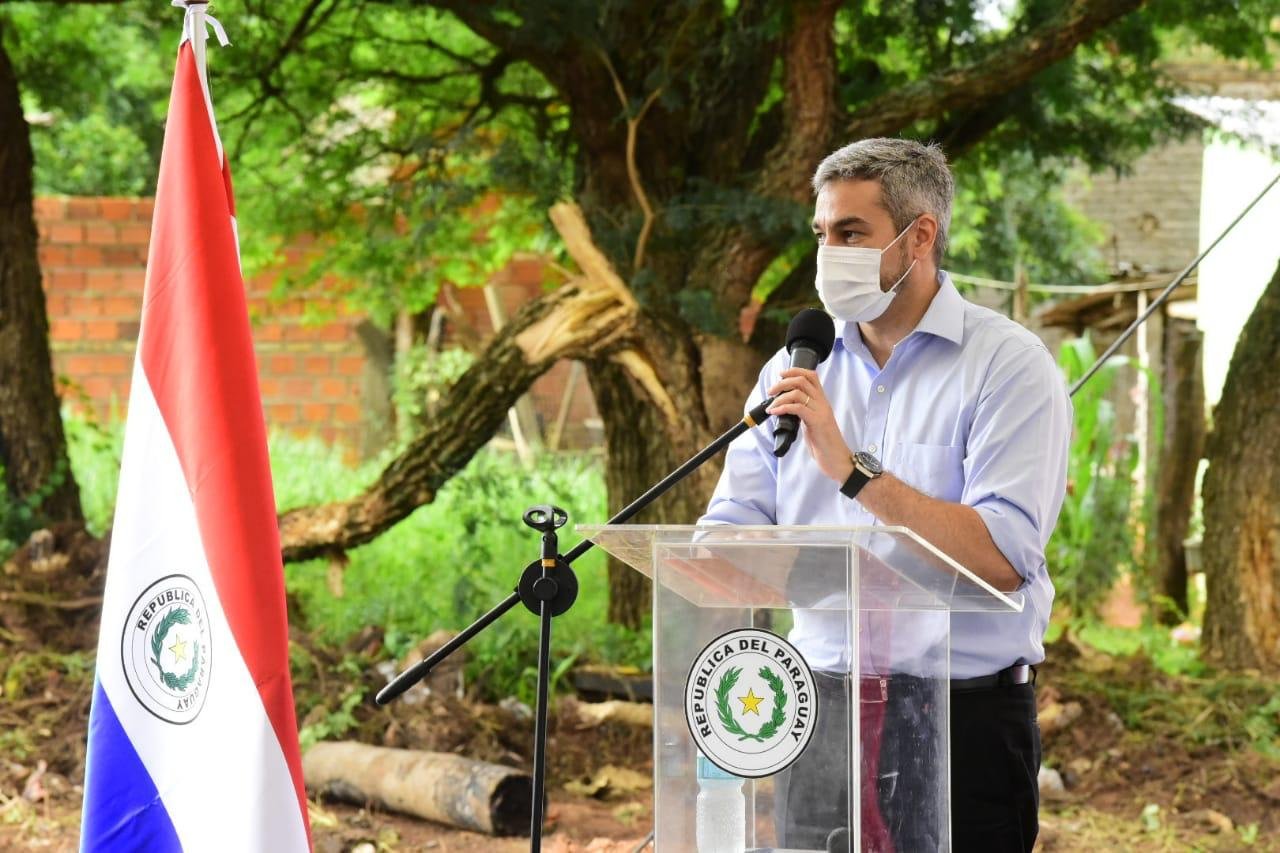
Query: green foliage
[
  {"x": 454, "y": 558},
  {"x": 1010, "y": 210},
  {"x": 95, "y": 82},
  {"x": 332, "y": 723},
  {"x": 122, "y": 165},
  {"x": 26, "y": 672},
  {"x": 1159, "y": 686},
  {"x": 306, "y": 471},
  {"x": 20, "y": 517},
  {"x": 25, "y": 678},
  {"x": 1093, "y": 541},
  {"x": 94, "y": 449},
  {"x": 12, "y": 525},
  {"x": 431, "y": 158},
  {"x": 422, "y": 376},
  {"x": 1152, "y": 641},
  {"x": 387, "y": 153}
]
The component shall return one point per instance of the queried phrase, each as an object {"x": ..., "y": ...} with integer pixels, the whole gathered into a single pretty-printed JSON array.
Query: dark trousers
[{"x": 995, "y": 758}]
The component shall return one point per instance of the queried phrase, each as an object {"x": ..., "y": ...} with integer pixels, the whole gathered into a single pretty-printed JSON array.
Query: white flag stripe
[{"x": 229, "y": 788}]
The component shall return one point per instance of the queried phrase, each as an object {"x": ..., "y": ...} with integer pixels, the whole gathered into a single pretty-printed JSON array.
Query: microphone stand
[{"x": 548, "y": 587}]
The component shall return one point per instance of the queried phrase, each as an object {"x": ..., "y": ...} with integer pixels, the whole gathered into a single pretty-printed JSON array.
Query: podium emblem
[{"x": 750, "y": 703}]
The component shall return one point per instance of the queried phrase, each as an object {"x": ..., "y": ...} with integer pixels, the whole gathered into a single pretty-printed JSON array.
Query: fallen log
[
  {"x": 445, "y": 788},
  {"x": 592, "y": 714}
]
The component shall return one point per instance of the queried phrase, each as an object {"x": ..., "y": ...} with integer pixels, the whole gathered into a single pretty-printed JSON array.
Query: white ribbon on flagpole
[
  {"x": 195, "y": 16},
  {"x": 194, "y": 27}
]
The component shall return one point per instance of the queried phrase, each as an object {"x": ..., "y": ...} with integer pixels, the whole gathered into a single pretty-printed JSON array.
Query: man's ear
[{"x": 924, "y": 236}]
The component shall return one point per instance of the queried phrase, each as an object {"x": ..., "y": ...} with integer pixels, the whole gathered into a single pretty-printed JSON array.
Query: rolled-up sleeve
[
  {"x": 1016, "y": 455},
  {"x": 748, "y": 488}
]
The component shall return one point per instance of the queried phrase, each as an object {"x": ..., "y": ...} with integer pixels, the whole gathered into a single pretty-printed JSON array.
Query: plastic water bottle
[{"x": 721, "y": 811}]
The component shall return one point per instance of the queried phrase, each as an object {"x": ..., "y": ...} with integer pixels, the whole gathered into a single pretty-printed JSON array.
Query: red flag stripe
[
  {"x": 226, "y": 182},
  {"x": 198, "y": 356}
]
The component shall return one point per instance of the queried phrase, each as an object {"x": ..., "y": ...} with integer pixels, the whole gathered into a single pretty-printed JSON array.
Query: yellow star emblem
[
  {"x": 179, "y": 649},
  {"x": 751, "y": 703}
]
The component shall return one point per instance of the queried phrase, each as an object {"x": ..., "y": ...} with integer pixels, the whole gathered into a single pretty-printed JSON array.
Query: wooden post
[
  {"x": 522, "y": 418},
  {"x": 1141, "y": 424},
  {"x": 566, "y": 403},
  {"x": 1180, "y": 452},
  {"x": 1021, "y": 302}
]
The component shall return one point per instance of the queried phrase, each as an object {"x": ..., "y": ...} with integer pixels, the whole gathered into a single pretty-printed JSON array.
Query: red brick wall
[
  {"x": 520, "y": 282},
  {"x": 93, "y": 254}
]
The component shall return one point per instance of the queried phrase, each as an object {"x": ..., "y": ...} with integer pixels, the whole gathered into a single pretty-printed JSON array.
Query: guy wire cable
[{"x": 1164, "y": 294}]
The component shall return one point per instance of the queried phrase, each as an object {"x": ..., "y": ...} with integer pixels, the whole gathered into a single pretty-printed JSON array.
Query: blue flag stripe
[{"x": 122, "y": 808}]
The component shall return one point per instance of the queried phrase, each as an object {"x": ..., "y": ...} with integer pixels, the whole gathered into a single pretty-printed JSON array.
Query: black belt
[{"x": 1019, "y": 673}]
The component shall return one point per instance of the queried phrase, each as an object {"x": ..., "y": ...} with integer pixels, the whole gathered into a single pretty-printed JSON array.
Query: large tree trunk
[
  {"x": 1242, "y": 501},
  {"x": 708, "y": 380},
  {"x": 33, "y": 447},
  {"x": 1180, "y": 451}
]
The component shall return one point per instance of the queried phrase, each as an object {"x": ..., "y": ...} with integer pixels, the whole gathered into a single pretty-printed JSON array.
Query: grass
[
  {"x": 1077, "y": 827},
  {"x": 1160, "y": 687},
  {"x": 1154, "y": 641}
]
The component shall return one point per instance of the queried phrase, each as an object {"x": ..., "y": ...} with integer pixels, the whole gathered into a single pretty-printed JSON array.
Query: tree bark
[
  {"x": 1180, "y": 452},
  {"x": 1241, "y": 550},
  {"x": 1009, "y": 66},
  {"x": 445, "y": 788},
  {"x": 33, "y": 448}
]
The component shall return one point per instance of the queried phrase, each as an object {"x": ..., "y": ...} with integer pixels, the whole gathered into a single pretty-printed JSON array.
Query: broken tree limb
[
  {"x": 445, "y": 788},
  {"x": 590, "y": 317},
  {"x": 1009, "y": 65}
]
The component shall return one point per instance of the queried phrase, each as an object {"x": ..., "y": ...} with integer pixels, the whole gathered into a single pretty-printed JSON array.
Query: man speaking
[{"x": 937, "y": 415}]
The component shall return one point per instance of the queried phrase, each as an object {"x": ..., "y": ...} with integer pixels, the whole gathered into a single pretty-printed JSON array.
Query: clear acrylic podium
[{"x": 868, "y": 610}]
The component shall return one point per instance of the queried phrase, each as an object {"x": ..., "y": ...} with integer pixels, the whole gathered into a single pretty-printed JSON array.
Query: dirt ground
[{"x": 1145, "y": 768}]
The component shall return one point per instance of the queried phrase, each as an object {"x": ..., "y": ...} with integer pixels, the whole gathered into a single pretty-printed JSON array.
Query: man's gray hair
[{"x": 914, "y": 179}]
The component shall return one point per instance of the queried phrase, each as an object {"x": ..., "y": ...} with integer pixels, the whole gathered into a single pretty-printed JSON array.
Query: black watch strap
[{"x": 854, "y": 484}]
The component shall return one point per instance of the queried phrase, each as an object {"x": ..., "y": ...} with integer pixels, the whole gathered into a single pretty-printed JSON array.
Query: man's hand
[
  {"x": 799, "y": 393},
  {"x": 956, "y": 529}
]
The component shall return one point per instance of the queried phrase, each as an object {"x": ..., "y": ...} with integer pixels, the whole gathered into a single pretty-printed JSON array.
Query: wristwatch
[{"x": 865, "y": 469}]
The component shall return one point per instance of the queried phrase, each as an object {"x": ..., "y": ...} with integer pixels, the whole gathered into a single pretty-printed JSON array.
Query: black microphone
[{"x": 810, "y": 337}]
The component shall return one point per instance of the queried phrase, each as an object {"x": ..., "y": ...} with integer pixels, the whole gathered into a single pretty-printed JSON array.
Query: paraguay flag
[{"x": 193, "y": 743}]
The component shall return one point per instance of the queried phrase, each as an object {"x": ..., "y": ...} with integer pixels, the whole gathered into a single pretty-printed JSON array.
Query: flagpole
[
  {"x": 195, "y": 18},
  {"x": 195, "y": 27},
  {"x": 205, "y": 563}
]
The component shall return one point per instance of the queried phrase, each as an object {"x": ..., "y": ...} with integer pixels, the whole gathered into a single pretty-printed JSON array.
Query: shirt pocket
[{"x": 935, "y": 469}]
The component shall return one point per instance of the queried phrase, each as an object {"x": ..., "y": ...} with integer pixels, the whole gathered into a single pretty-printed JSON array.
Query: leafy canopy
[{"x": 420, "y": 144}]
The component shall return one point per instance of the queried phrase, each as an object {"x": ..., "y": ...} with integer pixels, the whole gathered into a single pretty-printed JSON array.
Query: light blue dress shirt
[{"x": 970, "y": 408}]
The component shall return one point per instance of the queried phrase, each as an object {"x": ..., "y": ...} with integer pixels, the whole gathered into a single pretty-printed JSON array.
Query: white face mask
[{"x": 849, "y": 281}]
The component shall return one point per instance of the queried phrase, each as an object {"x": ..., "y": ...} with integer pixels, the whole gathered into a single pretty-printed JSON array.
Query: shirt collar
[{"x": 943, "y": 318}]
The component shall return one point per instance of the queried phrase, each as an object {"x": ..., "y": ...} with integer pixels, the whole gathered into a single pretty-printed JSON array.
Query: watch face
[{"x": 866, "y": 460}]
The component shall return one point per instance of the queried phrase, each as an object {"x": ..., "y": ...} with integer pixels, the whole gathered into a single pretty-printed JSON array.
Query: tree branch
[
  {"x": 506, "y": 38},
  {"x": 809, "y": 102},
  {"x": 591, "y": 317},
  {"x": 1009, "y": 66},
  {"x": 633, "y": 171},
  {"x": 959, "y": 133},
  {"x": 809, "y": 115}
]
